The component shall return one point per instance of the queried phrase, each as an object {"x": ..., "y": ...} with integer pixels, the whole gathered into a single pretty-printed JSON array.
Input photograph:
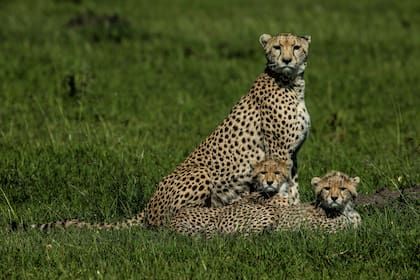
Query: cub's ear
[
  {"x": 264, "y": 39},
  {"x": 315, "y": 181},
  {"x": 355, "y": 180},
  {"x": 307, "y": 38},
  {"x": 252, "y": 166},
  {"x": 253, "y": 163}
]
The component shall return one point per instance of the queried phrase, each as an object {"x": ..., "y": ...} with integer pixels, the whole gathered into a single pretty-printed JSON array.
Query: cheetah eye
[
  {"x": 277, "y": 47},
  {"x": 277, "y": 172},
  {"x": 342, "y": 189},
  {"x": 296, "y": 47},
  {"x": 327, "y": 188},
  {"x": 263, "y": 172}
]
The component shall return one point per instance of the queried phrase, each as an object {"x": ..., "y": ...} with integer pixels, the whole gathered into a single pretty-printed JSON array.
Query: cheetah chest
[{"x": 285, "y": 122}]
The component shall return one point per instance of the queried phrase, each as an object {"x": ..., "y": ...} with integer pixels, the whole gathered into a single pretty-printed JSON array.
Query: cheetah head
[
  {"x": 335, "y": 190},
  {"x": 286, "y": 53},
  {"x": 272, "y": 176}
]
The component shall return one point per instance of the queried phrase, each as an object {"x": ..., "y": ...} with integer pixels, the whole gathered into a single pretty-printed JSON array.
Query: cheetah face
[
  {"x": 335, "y": 190},
  {"x": 286, "y": 53},
  {"x": 272, "y": 176}
]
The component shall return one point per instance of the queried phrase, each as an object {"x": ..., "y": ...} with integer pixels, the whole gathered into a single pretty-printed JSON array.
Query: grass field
[{"x": 98, "y": 101}]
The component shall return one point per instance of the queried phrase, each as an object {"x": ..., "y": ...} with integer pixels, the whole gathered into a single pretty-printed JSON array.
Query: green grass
[{"x": 93, "y": 116}]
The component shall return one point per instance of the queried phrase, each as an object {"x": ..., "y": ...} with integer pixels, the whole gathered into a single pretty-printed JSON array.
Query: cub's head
[
  {"x": 272, "y": 176},
  {"x": 286, "y": 53},
  {"x": 335, "y": 190}
]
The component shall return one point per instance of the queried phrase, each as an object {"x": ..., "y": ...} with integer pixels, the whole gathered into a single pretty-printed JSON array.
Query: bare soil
[{"x": 385, "y": 196}]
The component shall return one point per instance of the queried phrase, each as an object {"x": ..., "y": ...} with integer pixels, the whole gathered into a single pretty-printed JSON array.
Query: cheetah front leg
[{"x": 293, "y": 192}]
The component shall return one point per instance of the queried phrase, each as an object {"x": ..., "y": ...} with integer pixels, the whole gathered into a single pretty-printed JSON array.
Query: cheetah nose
[
  {"x": 286, "y": 60},
  {"x": 269, "y": 183},
  {"x": 334, "y": 198}
]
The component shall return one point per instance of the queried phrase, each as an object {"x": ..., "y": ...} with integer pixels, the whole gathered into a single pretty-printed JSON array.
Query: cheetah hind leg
[
  {"x": 188, "y": 186},
  {"x": 195, "y": 190}
]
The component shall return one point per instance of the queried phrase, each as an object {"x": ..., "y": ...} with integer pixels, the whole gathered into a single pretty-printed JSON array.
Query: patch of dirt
[
  {"x": 90, "y": 18},
  {"x": 385, "y": 196}
]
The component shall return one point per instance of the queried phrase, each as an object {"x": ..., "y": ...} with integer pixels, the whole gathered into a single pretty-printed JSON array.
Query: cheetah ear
[
  {"x": 264, "y": 39},
  {"x": 355, "y": 180},
  {"x": 252, "y": 164},
  {"x": 307, "y": 38},
  {"x": 315, "y": 181}
]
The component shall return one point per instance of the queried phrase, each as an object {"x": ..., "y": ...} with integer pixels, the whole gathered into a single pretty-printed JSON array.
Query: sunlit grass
[{"x": 99, "y": 101}]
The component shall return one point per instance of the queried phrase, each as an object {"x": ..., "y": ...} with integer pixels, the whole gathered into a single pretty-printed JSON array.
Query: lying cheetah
[
  {"x": 332, "y": 211},
  {"x": 270, "y": 121},
  {"x": 270, "y": 177}
]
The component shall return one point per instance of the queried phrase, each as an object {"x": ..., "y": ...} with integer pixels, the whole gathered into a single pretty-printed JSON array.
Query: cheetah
[
  {"x": 270, "y": 177},
  {"x": 270, "y": 121},
  {"x": 332, "y": 211}
]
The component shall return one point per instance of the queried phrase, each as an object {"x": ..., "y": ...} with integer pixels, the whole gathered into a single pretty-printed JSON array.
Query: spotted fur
[
  {"x": 136, "y": 221},
  {"x": 270, "y": 121},
  {"x": 332, "y": 211}
]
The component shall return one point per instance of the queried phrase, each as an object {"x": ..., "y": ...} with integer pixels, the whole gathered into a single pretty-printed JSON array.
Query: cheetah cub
[
  {"x": 270, "y": 186},
  {"x": 270, "y": 178},
  {"x": 332, "y": 211}
]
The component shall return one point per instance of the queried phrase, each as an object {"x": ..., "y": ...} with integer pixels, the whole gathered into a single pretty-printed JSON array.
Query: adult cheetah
[
  {"x": 332, "y": 211},
  {"x": 270, "y": 121}
]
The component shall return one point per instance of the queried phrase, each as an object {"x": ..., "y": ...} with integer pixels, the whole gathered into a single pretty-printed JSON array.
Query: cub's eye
[
  {"x": 327, "y": 188},
  {"x": 296, "y": 47},
  {"x": 277, "y": 47},
  {"x": 277, "y": 172},
  {"x": 263, "y": 172},
  {"x": 342, "y": 189}
]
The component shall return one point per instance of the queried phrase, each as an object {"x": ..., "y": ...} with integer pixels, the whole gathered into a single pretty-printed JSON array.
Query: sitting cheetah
[
  {"x": 270, "y": 121},
  {"x": 332, "y": 211}
]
